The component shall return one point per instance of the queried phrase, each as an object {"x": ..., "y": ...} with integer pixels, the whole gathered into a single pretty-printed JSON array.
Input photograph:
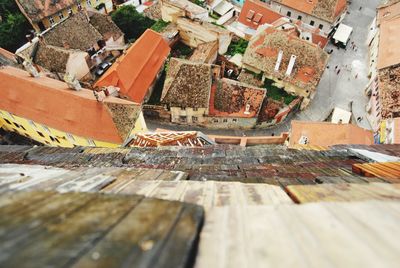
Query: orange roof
[
  {"x": 255, "y": 13},
  {"x": 52, "y": 103},
  {"x": 388, "y": 12},
  {"x": 328, "y": 134},
  {"x": 239, "y": 96},
  {"x": 389, "y": 43},
  {"x": 135, "y": 71}
]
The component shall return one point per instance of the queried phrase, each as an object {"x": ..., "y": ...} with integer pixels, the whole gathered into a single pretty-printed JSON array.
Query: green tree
[
  {"x": 131, "y": 22},
  {"x": 13, "y": 26}
]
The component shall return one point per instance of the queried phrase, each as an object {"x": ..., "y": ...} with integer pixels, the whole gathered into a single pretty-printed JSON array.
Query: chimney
[
  {"x": 72, "y": 82},
  {"x": 278, "y": 61},
  {"x": 291, "y": 65},
  {"x": 30, "y": 68}
]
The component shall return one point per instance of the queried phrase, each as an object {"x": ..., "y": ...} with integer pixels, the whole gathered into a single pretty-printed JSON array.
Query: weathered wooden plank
[
  {"x": 310, "y": 235},
  {"x": 210, "y": 193},
  {"x": 144, "y": 233},
  {"x": 344, "y": 192},
  {"x": 59, "y": 242}
]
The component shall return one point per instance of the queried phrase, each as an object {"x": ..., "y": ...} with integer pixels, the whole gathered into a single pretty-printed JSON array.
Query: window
[
  {"x": 288, "y": 13},
  {"x": 79, "y": 6},
  {"x": 307, "y": 38},
  {"x": 51, "y": 20},
  {"x": 182, "y": 118},
  {"x": 215, "y": 120},
  {"x": 40, "y": 134},
  {"x": 69, "y": 11},
  {"x": 299, "y": 17},
  {"x": 312, "y": 23},
  {"x": 321, "y": 26},
  {"x": 60, "y": 15},
  {"x": 70, "y": 137},
  {"x": 234, "y": 120},
  {"x": 15, "y": 124},
  {"x": 88, "y": 2},
  {"x": 91, "y": 142},
  {"x": 195, "y": 109},
  {"x": 46, "y": 128},
  {"x": 194, "y": 119},
  {"x": 225, "y": 120},
  {"x": 8, "y": 122}
]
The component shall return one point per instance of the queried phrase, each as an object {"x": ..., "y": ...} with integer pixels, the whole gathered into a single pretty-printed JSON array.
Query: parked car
[{"x": 102, "y": 68}]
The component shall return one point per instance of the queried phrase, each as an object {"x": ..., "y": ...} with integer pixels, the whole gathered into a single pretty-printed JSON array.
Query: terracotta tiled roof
[
  {"x": 52, "y": 103},
  {"x": 255, "y": 13},
  {"x": 75, "y": 32},
  {"x": 327, "y": 134},
  {"x": 262, "y": 54},
  {"x": 327, "y": 10},
  {"x": 229, "y": 99},
  {"x": 136, "y": 70},
  {"x": 187, "y": 84},
  {"x": 52, "y": 58},
  {"x": 389, "y": 91},
  {"x": 104, "y": 25},
  {"x": 36, "y": 10}
]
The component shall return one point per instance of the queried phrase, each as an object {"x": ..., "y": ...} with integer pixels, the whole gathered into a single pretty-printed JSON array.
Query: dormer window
[
  {"x": 250, "y": 15},
  {"x": 257, "y": 18},
  {"x": 51, "y": 20},
  {"x": 88, "y": 3},
  {"x": 61, "y": 15}
]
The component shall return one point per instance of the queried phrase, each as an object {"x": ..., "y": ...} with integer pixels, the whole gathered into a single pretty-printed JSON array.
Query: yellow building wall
[
  {"x": 46, "y": 21},
  {"x": 45, "y": 134}
]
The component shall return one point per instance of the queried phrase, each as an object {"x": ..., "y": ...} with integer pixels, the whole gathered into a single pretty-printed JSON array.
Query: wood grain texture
[
  {"x": 359, "y": 234},
  {"x": 96, "y": 230},
  {"x": 344, "y": 192},
  {"x": 210, "y": 193}
]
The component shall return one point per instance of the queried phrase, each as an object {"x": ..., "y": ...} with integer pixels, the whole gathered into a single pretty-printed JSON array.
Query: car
[{"x": 102, "y": 68}]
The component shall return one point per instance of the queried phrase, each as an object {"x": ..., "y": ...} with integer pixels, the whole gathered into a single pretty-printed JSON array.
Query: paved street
[{"x": 334, "y": 90}]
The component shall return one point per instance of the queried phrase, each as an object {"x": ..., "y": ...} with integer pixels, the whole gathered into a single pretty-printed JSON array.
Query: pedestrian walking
[
  {"x": 336, "y": 67},
  {"x": 360, "y": 8},
  {"x": 338, "y": 71},
  {"x": 356, "y": 76}
]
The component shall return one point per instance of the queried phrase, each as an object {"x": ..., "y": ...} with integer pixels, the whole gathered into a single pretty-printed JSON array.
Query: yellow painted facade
[
  {"x": 51, "y": 20},
  {"x": 53, "y": 137}
]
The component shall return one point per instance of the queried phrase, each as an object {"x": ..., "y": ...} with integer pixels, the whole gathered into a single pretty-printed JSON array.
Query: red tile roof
[
  {"x": 52, "y": 103},
  {"x": 255, "y": 13},
  {"x": 229, "y": 98},
  {"x": 136, "y": 71}
]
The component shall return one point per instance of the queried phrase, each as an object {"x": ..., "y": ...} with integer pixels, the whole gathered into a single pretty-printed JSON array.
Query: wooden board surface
[
  {"x": 344, "y": 192},
  {"x": 35, "y": 177},
  {"x": 48, "y": 229},
  {"x": 210, "y": 193},
  {"x": 360, "y": 234}
]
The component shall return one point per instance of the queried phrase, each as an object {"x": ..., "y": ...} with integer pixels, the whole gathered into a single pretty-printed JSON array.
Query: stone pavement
[{"x": 333, "y": 90}]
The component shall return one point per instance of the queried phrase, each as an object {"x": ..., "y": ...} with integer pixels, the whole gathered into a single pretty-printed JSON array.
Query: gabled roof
[
  {"x": 327, "y": 10},
  {"x": 52, "y": 58},
  {"x": 135, "y": 71},
  {"x": 36, "y": 10},
  {"x": 229, "y": 99},
  {"x": 75, "y": 32},
  {"x": 104, "y": 25},
  {"x": 327, "y": 134},
  {"x": 388, "y": 11},
  {"x": 51, "y": 102},
  {"x": 255, "y": 13},
  {"x": 262, "y": 54},
  {"x": 187, "y": 84},
  {"x": 389, "y": 91}
]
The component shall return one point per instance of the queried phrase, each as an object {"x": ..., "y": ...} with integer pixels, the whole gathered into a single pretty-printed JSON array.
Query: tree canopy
[
  {"x": 13, "y": 26},
  {"x": 131, "y": 22}
]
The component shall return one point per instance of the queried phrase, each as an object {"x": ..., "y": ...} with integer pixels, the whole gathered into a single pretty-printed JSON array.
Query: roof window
[{"x": 250, "y": 14}]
